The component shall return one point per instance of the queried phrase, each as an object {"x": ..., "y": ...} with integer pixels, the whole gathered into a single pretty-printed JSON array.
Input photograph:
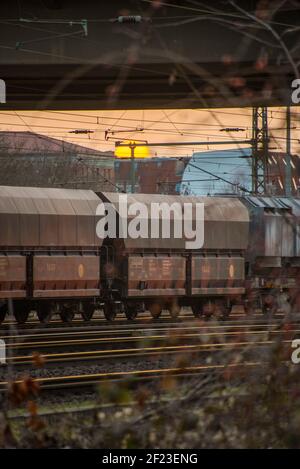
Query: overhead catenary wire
[
  {"x": 133, "y": 129},
  {"x": 209, "y": 143},
  {"x": 103, "y": 117},
  {"x": 87, "y": 118},
  {"x": 243, "y": 189}
]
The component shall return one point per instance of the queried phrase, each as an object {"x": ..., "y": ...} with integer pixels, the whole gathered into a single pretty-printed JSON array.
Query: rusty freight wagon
[
  {"x": 157, "y": 273},
  {"x": 52, "y": 259},
  {"x": 49, "y": 252},
  {"x": 273, "y": 254}
]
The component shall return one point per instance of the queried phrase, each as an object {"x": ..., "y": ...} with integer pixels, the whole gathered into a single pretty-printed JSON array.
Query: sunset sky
[{"x": 158, "y": 126}]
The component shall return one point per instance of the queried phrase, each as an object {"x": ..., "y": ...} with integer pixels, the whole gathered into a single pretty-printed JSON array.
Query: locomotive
[{"x": 53, "y": 262}]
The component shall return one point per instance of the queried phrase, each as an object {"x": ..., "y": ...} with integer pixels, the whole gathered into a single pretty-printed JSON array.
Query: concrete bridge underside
[{"x": 60, "y": 54}]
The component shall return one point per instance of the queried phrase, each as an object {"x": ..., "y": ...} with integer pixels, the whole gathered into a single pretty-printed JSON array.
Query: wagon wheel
[
  {"x": 110, "y": 310},
  {"x": 131, "y": 311},
  {"x": 174, "y": 309},
  {"x": 3, "y": 312},
  {"x": 45, "y": 312},
  {"x": 222, "y": 310},
  {"x": 269, "y": 305},
  {"x": 87, "y": 312},
  {"x": 21, "y": 312},
  {"x": 250, "y": 302},
  {"x": 197, "y": 310},
  {"x": 269, "y": 310},
  {"x": 249, "y": 308},
  {"x": 208, "y": 309},
  {"x": 67, "y": 314},
  {"x": 155, "y": 310}
]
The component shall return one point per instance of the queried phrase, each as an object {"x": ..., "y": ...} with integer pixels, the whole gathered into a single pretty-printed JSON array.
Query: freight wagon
[{"x": 53, "y": 262}]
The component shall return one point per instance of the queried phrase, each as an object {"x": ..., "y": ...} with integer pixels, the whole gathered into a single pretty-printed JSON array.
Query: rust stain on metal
[{"x": 65, "y": 274}]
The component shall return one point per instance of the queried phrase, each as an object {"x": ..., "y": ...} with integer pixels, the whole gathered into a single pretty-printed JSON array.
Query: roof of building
[
  {"x": 31, "y": 142},
  {"x": 207, "y": 172}
]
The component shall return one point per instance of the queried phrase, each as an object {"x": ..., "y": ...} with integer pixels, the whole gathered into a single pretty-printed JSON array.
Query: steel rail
[
  {"x": 139, "y": 352},
  {"x": 68, "y": 381},
  {"x": 95, "y": 341},
  {"x": 142, "y": 327}
]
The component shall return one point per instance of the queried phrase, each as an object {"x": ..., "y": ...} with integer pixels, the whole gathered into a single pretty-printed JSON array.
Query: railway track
[
  {"x": 103, "y": 343},
  {"x": 98, "y": 345},
  {"x": 130, "y": 377}
]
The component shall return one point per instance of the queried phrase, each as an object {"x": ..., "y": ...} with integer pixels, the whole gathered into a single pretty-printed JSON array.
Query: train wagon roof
[
  {"x": 226, "y": 221},
  {"x": 46, "y": 217},
  {"x": 276, "y": 203}
]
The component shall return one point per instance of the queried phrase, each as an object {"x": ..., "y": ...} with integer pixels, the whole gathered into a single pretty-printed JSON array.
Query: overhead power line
[
  {"x": 243, "y": 189},
  {"x": 167, "y": 144}
]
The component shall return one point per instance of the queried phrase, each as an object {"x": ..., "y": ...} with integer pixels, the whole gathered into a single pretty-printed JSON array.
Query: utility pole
[
  {"x": 132, "y": 168},
  {"x": 288, "y": 170},
  {"x": 260, "y": 141}
]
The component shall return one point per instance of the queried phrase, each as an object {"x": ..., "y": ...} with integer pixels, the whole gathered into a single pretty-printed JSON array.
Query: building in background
[
  {"x": 30, "y": 159},
  {"x": 277, "y": 165},
  {"x": 152, "y": 175},
  {"x": 206, "y": 172}
]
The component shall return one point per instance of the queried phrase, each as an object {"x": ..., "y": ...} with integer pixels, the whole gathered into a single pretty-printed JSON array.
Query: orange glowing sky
[{"x": 177, "y": 125}]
